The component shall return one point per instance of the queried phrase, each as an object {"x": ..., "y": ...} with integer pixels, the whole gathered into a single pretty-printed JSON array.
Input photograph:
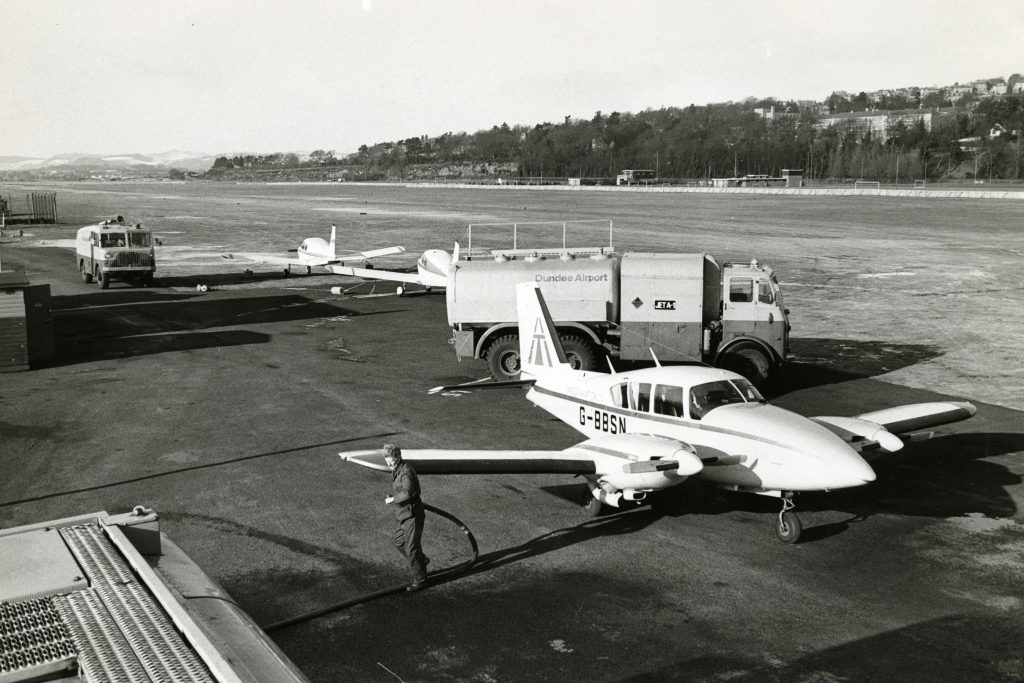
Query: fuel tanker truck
[{"x": 628, "y": 305}]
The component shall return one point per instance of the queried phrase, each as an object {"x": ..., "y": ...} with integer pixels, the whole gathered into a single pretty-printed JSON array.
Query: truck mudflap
[{"x": 462, "y": 341}]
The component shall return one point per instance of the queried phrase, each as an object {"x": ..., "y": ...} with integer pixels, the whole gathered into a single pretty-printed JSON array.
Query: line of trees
[{"x": 698, "y": 142}]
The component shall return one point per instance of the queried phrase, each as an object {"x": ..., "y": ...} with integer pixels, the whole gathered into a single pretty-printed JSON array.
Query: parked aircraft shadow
[
  {"x": 942, "y": 649},
  {"x": 941, "y": 478},
  {"x": 228, "y": 278},
  {"x": 623, "y": 522},
  {"x": 90, "y": 327}
]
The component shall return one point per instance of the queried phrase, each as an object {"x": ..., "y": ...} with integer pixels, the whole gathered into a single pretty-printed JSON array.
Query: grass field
[{"x": 922, "y": 292}]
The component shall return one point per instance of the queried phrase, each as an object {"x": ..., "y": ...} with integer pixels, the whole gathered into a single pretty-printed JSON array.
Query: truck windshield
[
  {"x": 112, "y": 239},
  {"x": 777, "y": 290},
  {"x": 706, "y": 397},
  {"x": 138, "y": 239}
]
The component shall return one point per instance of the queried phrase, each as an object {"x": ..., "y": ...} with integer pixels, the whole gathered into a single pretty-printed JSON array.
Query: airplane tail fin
[
  {"x": 334, "y": 234},
  {"x": 540, "y": 350}
]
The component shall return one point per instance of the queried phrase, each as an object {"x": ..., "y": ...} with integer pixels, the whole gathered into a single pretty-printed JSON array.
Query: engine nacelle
[
  {"x": 651, "y": 462},
  {"x": 864, "y": 429}
]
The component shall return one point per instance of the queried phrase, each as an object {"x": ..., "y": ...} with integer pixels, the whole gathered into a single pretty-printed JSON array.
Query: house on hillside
[
  {"x": 879, "y": 123},
  {"x": 957, "y": 90}
]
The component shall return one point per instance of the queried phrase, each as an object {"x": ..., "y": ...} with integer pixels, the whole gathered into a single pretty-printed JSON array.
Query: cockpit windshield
[{"x": 706, "y": 397}]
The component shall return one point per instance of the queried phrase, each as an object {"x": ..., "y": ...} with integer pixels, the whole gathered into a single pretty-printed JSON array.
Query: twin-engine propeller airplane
[
  {"x": 651, "y": 429},
  {"x": 315, "y": 251},
  {"x": 431, "y": 271}
]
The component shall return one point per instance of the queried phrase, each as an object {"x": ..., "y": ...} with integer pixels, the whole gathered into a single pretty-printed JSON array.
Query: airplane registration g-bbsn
[
  {"x": 652, "y": 429},
  {"x": 315, "y": 251}
]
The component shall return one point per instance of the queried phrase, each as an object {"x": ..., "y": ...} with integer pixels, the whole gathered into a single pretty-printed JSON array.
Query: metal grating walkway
[
  {"x": 32, "y": 636},
  {"x": 127, "y": 633}
]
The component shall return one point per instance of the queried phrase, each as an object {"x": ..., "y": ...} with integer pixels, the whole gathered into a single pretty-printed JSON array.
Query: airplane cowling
[
  {"x": 866, "y": 429},
  {"x": 640, "y": 461}
]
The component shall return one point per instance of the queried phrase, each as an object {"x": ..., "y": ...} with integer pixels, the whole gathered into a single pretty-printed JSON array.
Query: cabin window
[
  {"x": 764, "y": 292},
  {"x": 620, "y": 395},
  {"x": 640, "y": 397},
  {"x": 741, "y": 290},
  {"x": 668, "y": 400}
]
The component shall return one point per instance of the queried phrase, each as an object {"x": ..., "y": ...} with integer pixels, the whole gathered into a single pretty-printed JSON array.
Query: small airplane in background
[
  {"x": 431, "y": 271},
  {"x": 652, "y": 429},
  {"x": 315, "y": 251}
]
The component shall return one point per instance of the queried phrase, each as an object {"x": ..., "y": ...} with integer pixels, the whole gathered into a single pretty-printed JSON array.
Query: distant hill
[{"x": 111, "y": 163}]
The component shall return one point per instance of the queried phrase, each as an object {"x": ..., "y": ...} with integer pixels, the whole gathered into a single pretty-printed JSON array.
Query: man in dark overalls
[{"x": 405, "y": 486}]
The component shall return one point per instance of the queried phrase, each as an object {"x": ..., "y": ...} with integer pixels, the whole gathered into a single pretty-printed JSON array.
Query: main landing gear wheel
[
  {"x": 788, "y": 525},
  {"x": 591, "y": 506}
]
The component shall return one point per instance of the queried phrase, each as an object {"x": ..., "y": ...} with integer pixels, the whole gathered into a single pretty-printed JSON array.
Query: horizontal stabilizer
[{"x": 486, "y": 384}]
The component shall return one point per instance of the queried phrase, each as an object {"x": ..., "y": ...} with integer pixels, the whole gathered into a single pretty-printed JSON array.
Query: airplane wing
[
  {"x": 918, "y": 416},
  {"x": 376, "y": 274},
  {"x": 371, "y": 254},
  {"x": 879, "y": 428},
  {"x": 480, "y": 461},
  {"x": 273, "y": 259},
  {"x": 253, "y": 258},
  {"x": 625, "y": 454}
]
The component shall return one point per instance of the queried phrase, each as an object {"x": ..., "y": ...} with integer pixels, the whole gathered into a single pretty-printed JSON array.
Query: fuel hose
[{"x": 434, "y": 576}]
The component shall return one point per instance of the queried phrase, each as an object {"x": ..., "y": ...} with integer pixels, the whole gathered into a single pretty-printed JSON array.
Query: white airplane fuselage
[
  {"x": 315, "y": 251},
  {"x": 752, "y": 446}
]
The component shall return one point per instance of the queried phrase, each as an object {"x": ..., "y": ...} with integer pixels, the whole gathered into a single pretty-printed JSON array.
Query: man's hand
[{"x": 389, "y": 500}]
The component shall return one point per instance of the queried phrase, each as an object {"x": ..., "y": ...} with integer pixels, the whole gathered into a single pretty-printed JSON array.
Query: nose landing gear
[{"x": 788, "y": 525}]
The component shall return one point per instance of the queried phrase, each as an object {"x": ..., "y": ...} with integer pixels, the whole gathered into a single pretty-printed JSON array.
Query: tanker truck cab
[
  {"x": 755, "y": 323},
  {"x": 115, "y": 250}
]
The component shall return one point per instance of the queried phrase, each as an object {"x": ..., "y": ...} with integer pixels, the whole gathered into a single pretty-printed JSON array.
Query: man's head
[{"x": 392, "y": 455}]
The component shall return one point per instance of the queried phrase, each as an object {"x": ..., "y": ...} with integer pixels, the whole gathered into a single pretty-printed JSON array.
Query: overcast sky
[{"x": 110, "y": 76}]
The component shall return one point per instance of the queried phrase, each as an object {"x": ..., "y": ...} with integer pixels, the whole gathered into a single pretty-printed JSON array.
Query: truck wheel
[
  {"x": 579, "y": 352},
  {"x": 748, "y": 361},
  {"x": 105, "y": 281},
  {"x": 503, "y": 358},
  {"x": 86, "y": 275}
]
